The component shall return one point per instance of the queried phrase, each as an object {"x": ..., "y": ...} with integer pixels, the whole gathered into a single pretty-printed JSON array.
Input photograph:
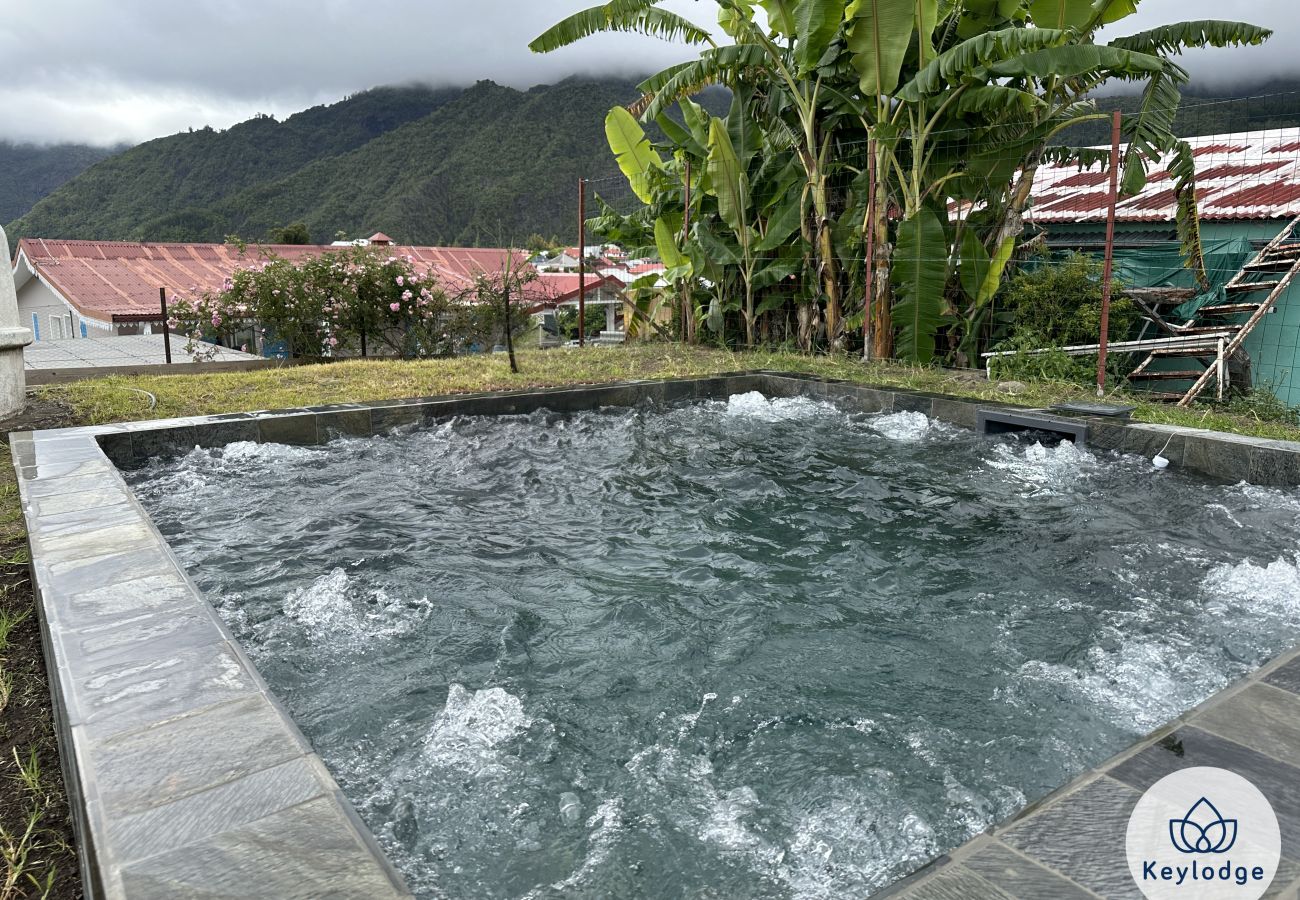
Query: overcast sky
[{"x": 128, "y": 70}]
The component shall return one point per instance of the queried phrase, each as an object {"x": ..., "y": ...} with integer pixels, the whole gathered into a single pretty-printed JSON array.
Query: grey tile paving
[
  {"x": 76, "y": 501},
  {"x": 1285, "y": 882},
  {"x": 1286, "y": 677},
  {"x": 154, "y": 766},
  {"x": 303, "y": 853},
  {"x": 76, "y": 574},
  {"x": 1082, "y": 837},
  {"x": 958, "y": 883},
  {"x": 118, "y": 640},
  {"x": 1019, "y": 876},
  {"x": 77, "y": 520},
  {"x": 231, "y": 804},
  {"x": 1188, "y": 747},
  {"x": 126, "y": 695},
  {"x": 93, "y": 608},
  {"x": 92, "y": 541},
  {"x": 1265, "y": 717},
  {"x": 191, "y": 782}
]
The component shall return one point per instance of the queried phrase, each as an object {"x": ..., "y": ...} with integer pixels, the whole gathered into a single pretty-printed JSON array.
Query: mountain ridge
[{"x": 482, "y": 164}]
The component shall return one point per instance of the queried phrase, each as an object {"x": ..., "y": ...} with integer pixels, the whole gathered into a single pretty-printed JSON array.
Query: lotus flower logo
[{"x": 1203, "y": 830}]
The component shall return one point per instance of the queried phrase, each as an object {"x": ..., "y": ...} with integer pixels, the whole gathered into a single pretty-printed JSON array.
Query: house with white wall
[{"x": 83, "y": 289}]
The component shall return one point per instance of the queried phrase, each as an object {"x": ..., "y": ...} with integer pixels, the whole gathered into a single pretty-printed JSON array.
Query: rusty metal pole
[
  {"x": 167, "y": 335},
  {"x": 1109, "y": 267},
  {"x": 582, "y": 262},
  {"x": 871, "y": 250}
]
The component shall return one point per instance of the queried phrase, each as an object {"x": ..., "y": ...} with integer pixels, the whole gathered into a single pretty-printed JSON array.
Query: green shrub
[
  {"x": 1262, "y": 405},
  {"x": 335, "y": 303},
  {"x": 1058, "y": 304}
]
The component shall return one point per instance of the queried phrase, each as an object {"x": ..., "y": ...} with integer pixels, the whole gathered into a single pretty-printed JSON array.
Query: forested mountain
[
  {"x": 492, "y": 166},
  {"x": 477, "y": 165},
  {"x": 482, "y": 164},
  {"x": 139, "y": 193},
  {"x": 29, "y": 172}
]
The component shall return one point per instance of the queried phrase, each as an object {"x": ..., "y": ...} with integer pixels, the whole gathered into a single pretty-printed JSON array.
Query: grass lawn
[
  {"x": 120, "y": 398},
  {"x": 35, "y": 835}
]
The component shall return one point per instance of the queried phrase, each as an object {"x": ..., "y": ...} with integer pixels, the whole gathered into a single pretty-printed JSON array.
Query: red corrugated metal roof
[
  {"x": 551, "y": 288},
  {"x": 108, "y": 279},
  {"x": 1239, "y": 176},
  {"x": 1207, "y": 149},
  {"x": 1231, "y": 170},
  {"x": 1084, "y": 179},
  {"x": 646, "y": 268},
  {"x": 1078, "y": 202},
  {"x": 1259, "y": 195}
]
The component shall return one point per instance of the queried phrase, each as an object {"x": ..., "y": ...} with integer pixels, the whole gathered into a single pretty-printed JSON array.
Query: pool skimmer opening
[{"x": 1001, "y": 421}]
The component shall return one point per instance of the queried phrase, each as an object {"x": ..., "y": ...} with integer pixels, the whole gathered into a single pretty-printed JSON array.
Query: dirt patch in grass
[{"x": 37, "y": 856}]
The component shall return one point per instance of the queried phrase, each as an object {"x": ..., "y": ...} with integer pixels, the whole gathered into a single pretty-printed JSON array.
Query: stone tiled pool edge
[
  {"x": 1071, "y": 843},
  {"x": 187, "y": 778}
]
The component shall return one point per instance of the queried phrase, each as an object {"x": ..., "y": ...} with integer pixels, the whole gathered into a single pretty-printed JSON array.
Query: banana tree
[{"x": 962, "y": 102}]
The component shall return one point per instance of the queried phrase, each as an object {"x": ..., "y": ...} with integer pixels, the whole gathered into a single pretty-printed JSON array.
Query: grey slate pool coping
[{"x": 187, "y": 778}]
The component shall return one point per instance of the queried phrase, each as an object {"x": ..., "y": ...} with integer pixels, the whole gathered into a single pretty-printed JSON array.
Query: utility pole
[
  {"x": 1109, "y": 267},
  {"x": 582, "y": 262}
]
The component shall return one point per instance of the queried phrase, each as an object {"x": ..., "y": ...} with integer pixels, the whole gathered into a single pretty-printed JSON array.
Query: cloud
[{"x": 135, "y": 69}]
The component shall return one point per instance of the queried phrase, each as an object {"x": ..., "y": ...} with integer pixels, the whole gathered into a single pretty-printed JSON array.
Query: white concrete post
[{"x": 13, "y": 338}]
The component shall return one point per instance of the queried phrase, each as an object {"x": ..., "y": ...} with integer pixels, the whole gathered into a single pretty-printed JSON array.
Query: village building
[
  {"x": 553, "y": 290},
  {"x": 70, "y": 289},
  {"x": 1248, "y": 188}
]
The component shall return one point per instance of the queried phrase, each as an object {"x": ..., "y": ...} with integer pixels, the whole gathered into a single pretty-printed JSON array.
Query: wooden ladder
[{"x": 1278, "y": 263}]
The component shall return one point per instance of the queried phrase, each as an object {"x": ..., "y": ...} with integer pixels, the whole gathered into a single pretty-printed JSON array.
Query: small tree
[
  {"x": 500, "y": 291},
  {"x": 296, "y": 233}
]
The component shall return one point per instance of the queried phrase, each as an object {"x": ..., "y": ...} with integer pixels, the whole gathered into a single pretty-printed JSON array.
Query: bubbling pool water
[{"x": 761, "y": 648}]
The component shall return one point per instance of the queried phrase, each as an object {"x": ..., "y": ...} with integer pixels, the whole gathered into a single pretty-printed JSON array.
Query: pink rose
[{"x": 395, "y": 307}]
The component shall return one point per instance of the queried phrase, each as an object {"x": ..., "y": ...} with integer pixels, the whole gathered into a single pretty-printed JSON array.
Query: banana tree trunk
[
  {"x": 1013, "y": 221},
  {"x": 826, "y": 268},
  {"x": 882, "y": 299},
  {"x": 806, "y": 313},
  {"x": 749, "y": 311}
]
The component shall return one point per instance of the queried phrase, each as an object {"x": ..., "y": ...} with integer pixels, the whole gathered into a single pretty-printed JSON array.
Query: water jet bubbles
[
  {"x": 756, "y": 406},
  {"x": 570, "y": 808},
  {"x": 906, "y": 427}
]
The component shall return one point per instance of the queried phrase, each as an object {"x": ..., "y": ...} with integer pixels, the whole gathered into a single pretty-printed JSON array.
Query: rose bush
[{"x": 353, "y": 301}]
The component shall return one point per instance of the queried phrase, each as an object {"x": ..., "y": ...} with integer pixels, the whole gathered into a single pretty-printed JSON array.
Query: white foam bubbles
[
  {"x": 1136, "y": 684},
  {"x": 907, "y": 426},
  {"x": 352, "y": 615},
  {"x": 754, "y": 405},
  {"x": 472, "y": 725},
  {"x": 1271, "y": 590},
  {"x": 1043, "y": 470}
]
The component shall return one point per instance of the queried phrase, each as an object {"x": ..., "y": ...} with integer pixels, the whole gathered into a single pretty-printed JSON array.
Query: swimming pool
[{"x": 754, "y": 647}]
